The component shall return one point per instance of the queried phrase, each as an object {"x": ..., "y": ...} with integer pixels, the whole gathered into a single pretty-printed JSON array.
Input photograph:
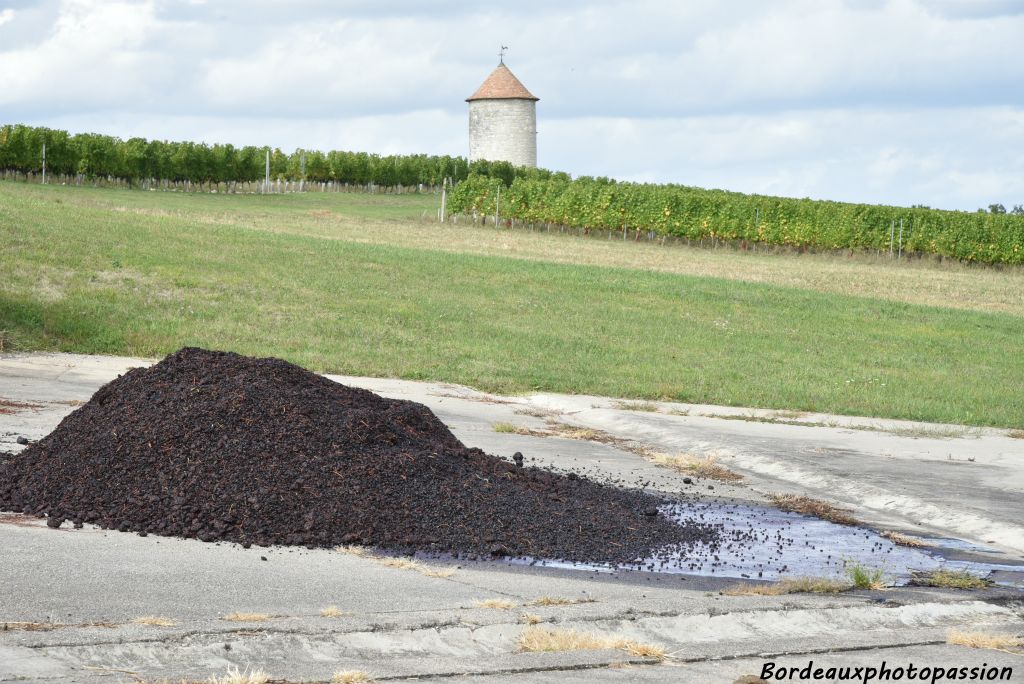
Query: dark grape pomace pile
[{"x": 217, "y": 446}]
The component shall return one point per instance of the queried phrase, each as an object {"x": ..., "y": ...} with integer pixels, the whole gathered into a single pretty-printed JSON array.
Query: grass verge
[
  {"x": 393, "y": 220},
  {"x": 261, "y": 276}
]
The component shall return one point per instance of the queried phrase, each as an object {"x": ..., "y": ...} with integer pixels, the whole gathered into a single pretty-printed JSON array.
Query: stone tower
[{"x": 503, "y": 120}]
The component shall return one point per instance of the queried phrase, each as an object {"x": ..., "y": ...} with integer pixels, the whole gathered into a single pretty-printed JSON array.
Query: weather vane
[{"x": 501, "y": 54}]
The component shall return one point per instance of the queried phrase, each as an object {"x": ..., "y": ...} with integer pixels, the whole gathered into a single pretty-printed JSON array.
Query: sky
[{"x": 881, "y": 101}]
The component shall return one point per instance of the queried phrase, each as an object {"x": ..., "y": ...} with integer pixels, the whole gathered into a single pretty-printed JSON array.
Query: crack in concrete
[
  {"x": 182, "y": 637},
  {"x": 576, "y": 667},
  {"x": 629, "y": 614}
]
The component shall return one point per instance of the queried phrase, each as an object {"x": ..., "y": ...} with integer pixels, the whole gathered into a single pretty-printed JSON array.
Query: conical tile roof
[{"x": 502, "y": 85}]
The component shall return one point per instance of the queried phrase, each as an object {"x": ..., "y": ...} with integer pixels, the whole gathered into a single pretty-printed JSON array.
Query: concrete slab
[
  {"x": 748, "y": 670},
  {"x": 70, "y": 597}
]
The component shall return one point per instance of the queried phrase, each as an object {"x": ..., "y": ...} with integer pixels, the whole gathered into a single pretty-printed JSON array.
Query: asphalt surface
[{"x": 69, "y": 597}]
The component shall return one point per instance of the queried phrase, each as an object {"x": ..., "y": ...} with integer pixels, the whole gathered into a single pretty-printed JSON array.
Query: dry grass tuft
[
  {"x": 813, "y": 585},
  {"x": 435, "y": 572},
  {"x": 48, "y": 626},
  {"x": 998, "y": 642},
  {"x": 410, "y": 564},
  {"x": 531, "y": 619},
  {"x": 350, "y": 677},
  {"x": 331, "y": 612},
  {"x": 10, "y": 406},
  {"x": 796, "y": 585},
  {"x": 557, "y": 601},
  {"x": 29, "y": 626},
  {"x": 537, "y": 412},
  {"x": 583, "y": 434},
  {"x": 555, "y": 428},
  {"x": 154, "y": 621},
  {"x": 495, "y": 604},
  {"x": 698, "y": 466},
  {"x": 542, "y": 640},
  {"x": 477, "y": 397},
  {"x": 951, "y": 579},
  {"x": 639, "y": 650},
  {"x": 246, "y": 617},
  {"x": 754, "y": 590},
  {"x": 904, "y": 540},
  {"x": 934, "y": 431},
  {"x": 236, "y": 676},
  {"x": 511, "y": 428},
  {"x": 813, "y": 507},
  {"x": 396, "y": 561},
  {"x": 648, "y": 406},
  {"x": 353, "y": 550}
]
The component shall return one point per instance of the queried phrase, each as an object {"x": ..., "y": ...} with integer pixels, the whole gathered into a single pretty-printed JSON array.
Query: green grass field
[{"x": 363, "y": 285}]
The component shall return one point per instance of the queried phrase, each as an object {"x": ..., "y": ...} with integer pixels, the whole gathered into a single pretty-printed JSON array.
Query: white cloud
[
  {"x": 94, "y": 54},
  {"x": 954, "y": 158},
  {"x": 6, "y": 16},
  {"x": 900, "y": 101},
  {"x": 342, "y": 67}
]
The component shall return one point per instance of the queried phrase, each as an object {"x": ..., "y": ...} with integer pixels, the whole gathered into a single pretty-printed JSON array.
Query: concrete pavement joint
[{"x": 629, "y": 660}]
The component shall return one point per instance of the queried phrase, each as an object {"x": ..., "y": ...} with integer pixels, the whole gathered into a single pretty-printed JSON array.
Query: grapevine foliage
[
  {"x": 539, "y": 196},
  {"x": 707, "y": 215}
]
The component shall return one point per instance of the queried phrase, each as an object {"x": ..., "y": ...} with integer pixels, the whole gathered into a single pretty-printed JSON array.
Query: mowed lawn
[{"x": 145, "y": 275}]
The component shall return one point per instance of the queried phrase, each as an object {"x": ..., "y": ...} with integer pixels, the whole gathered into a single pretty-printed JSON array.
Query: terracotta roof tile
[{"x": 502, "y": 85}]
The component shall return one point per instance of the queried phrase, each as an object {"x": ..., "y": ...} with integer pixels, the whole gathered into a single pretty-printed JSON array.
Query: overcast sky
[{"x": 901, "y": 101}]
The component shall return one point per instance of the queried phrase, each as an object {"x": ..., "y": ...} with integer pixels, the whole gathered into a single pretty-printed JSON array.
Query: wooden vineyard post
[{"x": 444, "y": 198}]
